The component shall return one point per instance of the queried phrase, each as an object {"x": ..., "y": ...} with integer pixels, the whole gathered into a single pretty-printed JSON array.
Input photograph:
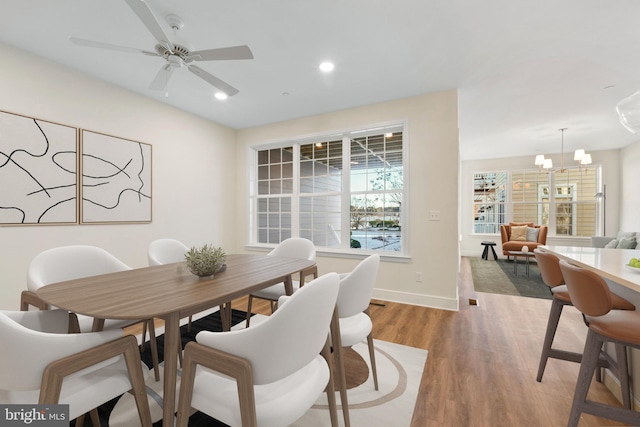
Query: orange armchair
[{"x": 510, "y": 243}]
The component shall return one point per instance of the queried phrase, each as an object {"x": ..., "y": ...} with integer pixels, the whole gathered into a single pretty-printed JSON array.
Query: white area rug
[{"x": 399, "y": 374}]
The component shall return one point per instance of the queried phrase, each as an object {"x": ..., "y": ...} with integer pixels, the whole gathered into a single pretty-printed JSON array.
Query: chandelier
[
  {"x": 579, "y": 155},
  {"x": 629, "y": 112}
]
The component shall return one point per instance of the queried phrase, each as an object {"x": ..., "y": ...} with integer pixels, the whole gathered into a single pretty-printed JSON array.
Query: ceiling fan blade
[
  {"x": 212, "y": 80},
  {"x": 234, "y": 52},
  {"x": 162, "y": 78},
  {"x": 141, "y": 8},
  {"x": 91, "y": 43}
]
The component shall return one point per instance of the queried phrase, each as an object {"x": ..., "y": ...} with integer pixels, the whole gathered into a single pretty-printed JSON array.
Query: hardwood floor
[{"x": 483, "y": 360}]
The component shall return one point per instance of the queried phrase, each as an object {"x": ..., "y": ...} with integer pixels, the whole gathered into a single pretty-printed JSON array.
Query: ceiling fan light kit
[
  {"x": 177, "y": 54},
  {"x": 545, "y": 163}
]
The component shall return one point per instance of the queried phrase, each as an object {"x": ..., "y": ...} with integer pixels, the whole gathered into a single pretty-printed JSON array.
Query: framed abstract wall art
[
  {"x": 38, "y": 171},
  {"x": 115, "y": 181}
]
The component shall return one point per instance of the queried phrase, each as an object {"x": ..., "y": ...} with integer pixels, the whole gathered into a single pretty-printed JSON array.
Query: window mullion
[
  {"x": 295, "y": 196},
  {"x": 345, "y": 234}
]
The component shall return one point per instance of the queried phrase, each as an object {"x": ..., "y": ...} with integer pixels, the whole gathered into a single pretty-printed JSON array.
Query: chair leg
[
  {"x": 552, "y": 326},
  {"x": 189, "y": 324},
  {"x": 249, "y": 309},
  {"x": 95, "y": 419},
  {"x": 80, "y": 421},
  {"x": 180, "y": 355},
  {"x": 154, "y": 348},
  {"x": 623, "y": 374},
  {"x": 372, "y": 356},
  {"x": 330, "y": 389},
  {"x": 144, "y": 337},
  {"x": 590, "y": 357}
]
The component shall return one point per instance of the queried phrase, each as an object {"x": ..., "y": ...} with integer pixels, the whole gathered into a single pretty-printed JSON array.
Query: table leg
[
  {"x": 526, "y": 268},
  {"x": 225, "y": 316},
  {"x": 172, "y": 341},
  {"x": 288, "y": 285},
  {"x": 495, "y": 256},
  {"x": 485, "y": 252}
]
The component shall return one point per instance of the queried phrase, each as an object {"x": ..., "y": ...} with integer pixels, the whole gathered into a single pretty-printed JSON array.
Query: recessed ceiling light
[
  {"x": 221, "y": 95},
  {"x": 326, "y": 67}
]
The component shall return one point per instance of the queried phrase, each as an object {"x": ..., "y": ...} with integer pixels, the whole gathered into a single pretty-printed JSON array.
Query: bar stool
[
  {"x": 552, "y": 276},
  {"x": 591, "y": 295}
]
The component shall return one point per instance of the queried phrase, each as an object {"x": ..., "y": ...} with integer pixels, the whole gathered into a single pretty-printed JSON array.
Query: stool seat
[
  {"x": 562, "y": 293},
  {"x": 618, "y": 303},
  {"x": 620, "y": 325}
]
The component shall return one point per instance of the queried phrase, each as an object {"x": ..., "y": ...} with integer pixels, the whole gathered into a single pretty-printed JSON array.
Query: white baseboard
[
  {"x": 416, "y": 299},
  {"x": 612, "y": 383}
]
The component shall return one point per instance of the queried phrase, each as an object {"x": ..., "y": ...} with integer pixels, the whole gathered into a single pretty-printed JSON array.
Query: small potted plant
[{"x": 206, "y": 260}]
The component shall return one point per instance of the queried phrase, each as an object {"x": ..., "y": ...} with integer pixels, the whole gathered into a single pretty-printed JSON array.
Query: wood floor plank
[{"x": 483, "y": 360}]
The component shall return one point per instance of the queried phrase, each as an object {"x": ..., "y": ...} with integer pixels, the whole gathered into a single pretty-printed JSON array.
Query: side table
[
  {"x": 526, "y": 255},
  {"x": 487, "y": 244}
]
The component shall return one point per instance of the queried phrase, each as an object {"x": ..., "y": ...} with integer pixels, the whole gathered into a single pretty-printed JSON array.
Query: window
[
  {"x": 489, "y": 201},
  {"x": 343, "y": 191},
  {"x": 569, "y": 210}
]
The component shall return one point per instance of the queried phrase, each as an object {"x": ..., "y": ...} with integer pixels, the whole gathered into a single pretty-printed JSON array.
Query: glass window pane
[
  {"x": 375, "y": 166},
  {"x": 275, "y": 155},
  {"x": 263, "y": 187},
  {"x": 263, "y": 172},
  {"x": 263, "y": 157}
]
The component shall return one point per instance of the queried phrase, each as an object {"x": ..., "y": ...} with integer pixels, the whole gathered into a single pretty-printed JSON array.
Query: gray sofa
[{"x": 623, "y": 240}]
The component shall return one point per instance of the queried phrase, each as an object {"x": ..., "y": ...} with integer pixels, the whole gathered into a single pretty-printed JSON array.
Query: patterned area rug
[
  {"x": 399, "y": 374},
  {"x": 499, "y": 277}
]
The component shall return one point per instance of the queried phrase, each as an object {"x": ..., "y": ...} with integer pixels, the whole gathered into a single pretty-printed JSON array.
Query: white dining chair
[
  {"x": 166, "y": 251},
  {"x": 293, "y": 247},
  {"x": 269, "y": 374},
  {"x": 356, "y": 289},
  {"x": 40, "y": 363},
  {"x": 73, "y": 262}
]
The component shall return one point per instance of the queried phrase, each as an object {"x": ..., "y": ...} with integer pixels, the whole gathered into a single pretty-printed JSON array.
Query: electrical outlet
[
  {"x": 418, "y": 276},
  {"x": 434, "y": 215}
]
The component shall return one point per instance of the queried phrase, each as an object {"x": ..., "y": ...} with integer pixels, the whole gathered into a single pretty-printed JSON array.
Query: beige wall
[
  {"x": 195, "y": 200},
  {"x": 432, "y": 137},
  {"x": 192, "y": 201}
]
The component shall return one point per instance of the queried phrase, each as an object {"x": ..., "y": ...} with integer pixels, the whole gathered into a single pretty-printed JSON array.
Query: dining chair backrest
[
  {"x": 295, "y": 247},
  {"x": 287, "y": 340},
  {"x": 589, "y": 292},
  {"x": 356, "y": 287},
  {"x": 166, "y": 251},
  {"x": 32, "y": 340},
  {"x": 549, "y": 266},
  {"x": 70, "y": 262}
]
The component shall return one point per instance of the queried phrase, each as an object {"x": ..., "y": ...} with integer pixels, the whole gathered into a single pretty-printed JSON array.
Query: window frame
[{"x": 345, "y": 193}]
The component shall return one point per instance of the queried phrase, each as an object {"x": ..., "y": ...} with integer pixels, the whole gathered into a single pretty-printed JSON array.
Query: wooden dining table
[{"x": 170, "y": 292}]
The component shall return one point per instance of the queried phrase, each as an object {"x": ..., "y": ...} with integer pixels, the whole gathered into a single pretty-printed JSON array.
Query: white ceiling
[{"x": 523, "y": 69}]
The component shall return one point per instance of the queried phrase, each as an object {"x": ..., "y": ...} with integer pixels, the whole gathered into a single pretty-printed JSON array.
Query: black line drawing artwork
[
  {"x": 116, "y": 179},
  {"x": 38, "y": 179}
]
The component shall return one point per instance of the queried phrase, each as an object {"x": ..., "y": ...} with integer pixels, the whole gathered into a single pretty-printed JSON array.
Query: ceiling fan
[{"x": 176, "y": 55}]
